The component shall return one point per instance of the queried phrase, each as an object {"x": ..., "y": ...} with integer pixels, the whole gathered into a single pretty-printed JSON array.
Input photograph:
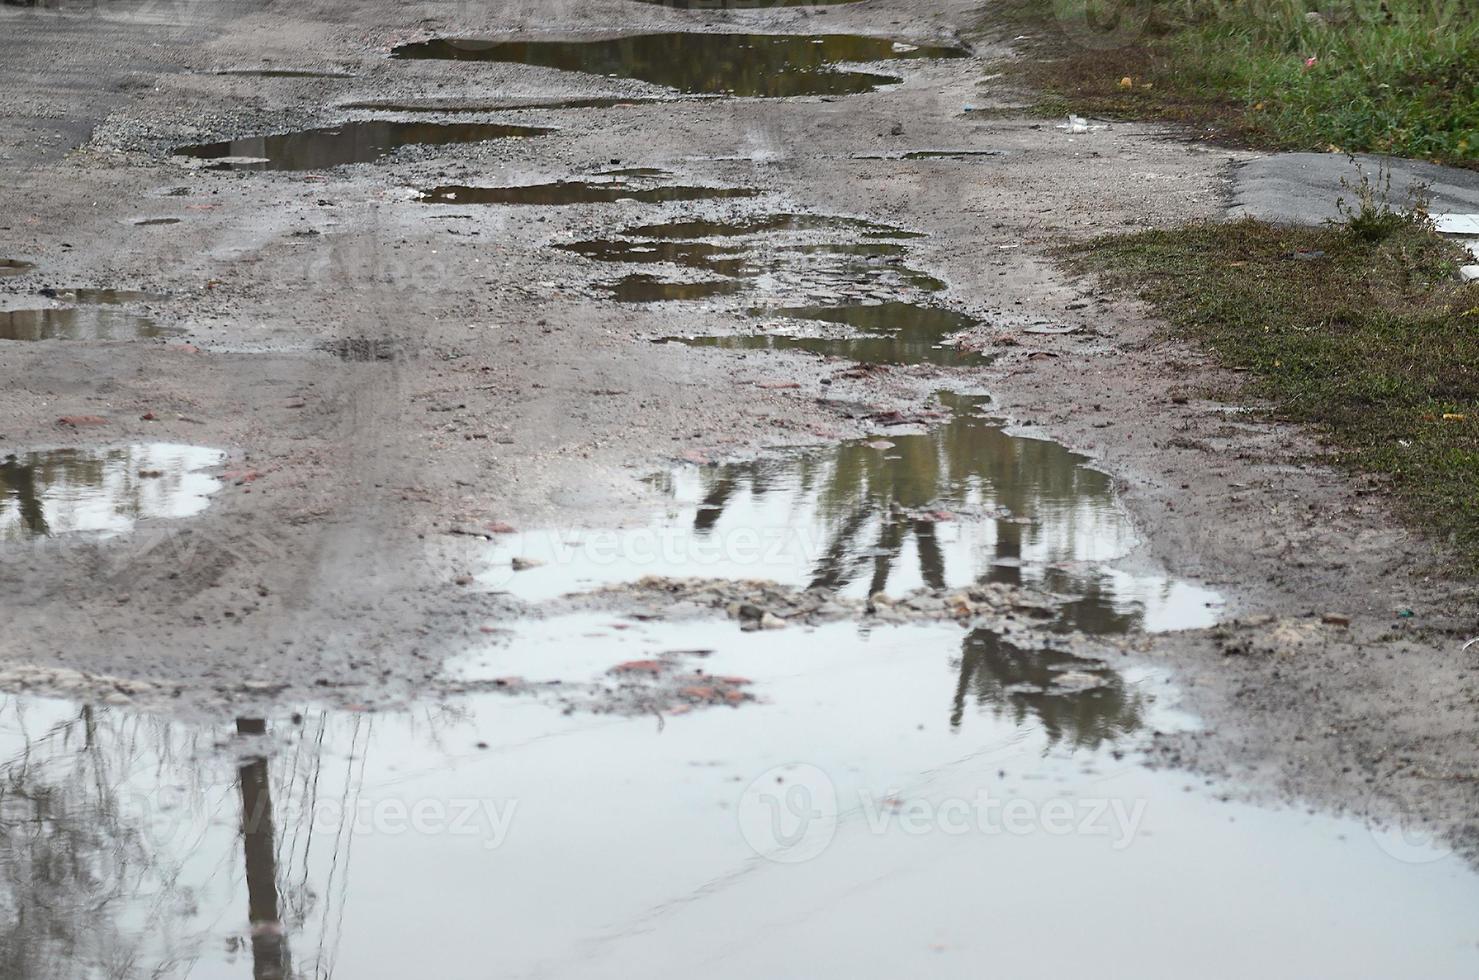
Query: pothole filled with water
[
  {"x": 510, "y": 105},
  {"x": 105, "y": 491},
  {"x": 14, "y": 267},
  {"x": 568, "y": 192},
  {"x": 763, "y": 249},
  {"x": 752, "y": 65},
  {"x": 938, "y": 786},
  {"x": 77, "y": 323},
  {"x": 350, "y": 142},
  {"x": 641, "y": 288},
  {"x": 937, "y": 502},
  {"x": 764, "y": 223},
  {"x": 891, "y": 333}
]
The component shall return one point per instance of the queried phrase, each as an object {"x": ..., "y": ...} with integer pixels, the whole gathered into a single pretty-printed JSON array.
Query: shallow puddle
[
  {"x": 59, "y": 491},
  {"x": 756, "y": 225},
  {"x": 901, "y": 348},
  {"x": 933, "y": 155},
  {"x": 451, "y": 108},
  {"x": 944, "y": 507},
  {"x": 104, "y": 297},
  {"x": 351, "y": 142},
  {"x": 807, "y": 269},
  {"x": 80, "y": 323},
  {"x": 723, "y": 259},
  {"x": 566, "y": 192},
  {"x": 284, "y": 73},
  {"x": 14, "y": 267},
  {"x": 894, "y": 333},
  {"x": 911, "y": 779},
  {"x": 756, "y": 65},
  {"x": 651, "y": 289}
]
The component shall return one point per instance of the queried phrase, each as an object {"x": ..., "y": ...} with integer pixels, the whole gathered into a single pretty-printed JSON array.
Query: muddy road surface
[{"x": 626, "y": 489}]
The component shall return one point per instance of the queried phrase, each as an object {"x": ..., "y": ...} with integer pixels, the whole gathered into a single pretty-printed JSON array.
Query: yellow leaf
[{"x": 1127, "y": 82}]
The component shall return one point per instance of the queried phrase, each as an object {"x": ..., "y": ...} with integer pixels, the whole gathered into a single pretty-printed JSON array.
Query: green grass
[
  {"x": 1389, "y": 76},
  {"x": 1373, "y": 343}
]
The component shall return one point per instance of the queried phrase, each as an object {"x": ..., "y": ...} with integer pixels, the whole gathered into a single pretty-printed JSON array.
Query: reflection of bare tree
[
  {"x": 118, "y": 855},
  {"x": 74, "y": 856},
  {"x": 875, "y": 502},
  {"x": 18, "y": 481},
  {"x": 1027, "y": 683}
]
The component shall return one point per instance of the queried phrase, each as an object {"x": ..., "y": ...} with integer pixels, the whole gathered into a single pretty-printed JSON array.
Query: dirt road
[{"x": 398, "y": 377}]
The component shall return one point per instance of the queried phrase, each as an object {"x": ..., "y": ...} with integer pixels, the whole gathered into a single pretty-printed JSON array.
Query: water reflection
[
  {"x": 954, "y": 504},
  {"x": 650, "y": 289},
  {"x": 892, "y": 333},
  {"x": 133, "y": 846},
  {"x": 271, "y": 959},
  {"x": 60, "y": 491},
  {"x": 567, "y": 192},
  {"x": 755, "y": 65},
  {"x": 1077, "y": 702},
  {"x": 723, "y": 259},
  {"x": 124, "y": 839},
  {"x": 81, "y": 323},
  {"x": 761, "y": 224},
  {"x": 14, "y": 267},
  {"x": 826, "y": 268},
  {"x": 350, "y": 142}
]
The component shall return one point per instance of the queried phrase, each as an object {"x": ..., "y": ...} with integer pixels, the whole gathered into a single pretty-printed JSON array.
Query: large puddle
[
  {"x": 910, "y": 802},
  {"x": 104, "y": 491},
  {"x": 891, "y": 333},
  {"x": 758, "y": 65},
  {"x": 943, "y": 506},
  {"x": 351, "y": 142},
  {"x": 14, "y": 267}
]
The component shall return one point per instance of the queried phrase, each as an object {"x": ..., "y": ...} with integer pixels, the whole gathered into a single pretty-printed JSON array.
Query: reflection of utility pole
[{"x": 270, "y": 959}]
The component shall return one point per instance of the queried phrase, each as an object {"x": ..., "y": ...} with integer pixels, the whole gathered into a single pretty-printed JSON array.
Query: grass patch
[
  {"x": 1372, "y": 342},
  {"x": 1383, "y": 76}
]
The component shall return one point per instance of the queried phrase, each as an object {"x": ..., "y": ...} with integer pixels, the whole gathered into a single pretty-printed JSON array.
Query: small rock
[{"x": 770, "y": 621}]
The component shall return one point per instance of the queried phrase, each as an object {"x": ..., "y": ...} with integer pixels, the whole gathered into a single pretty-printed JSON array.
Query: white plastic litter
[
  {"x": 1464, "y": 227},
  {"x": 1457, "y": 224},
  {"x": 1078, "y": 124}
]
